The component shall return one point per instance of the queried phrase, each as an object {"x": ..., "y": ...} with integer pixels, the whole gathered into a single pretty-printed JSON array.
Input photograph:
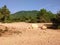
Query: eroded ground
[{"x": 25, "y": 36}]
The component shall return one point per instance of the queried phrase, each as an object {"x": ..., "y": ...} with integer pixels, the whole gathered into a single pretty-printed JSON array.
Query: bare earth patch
[{"x": 21, "y": 34}]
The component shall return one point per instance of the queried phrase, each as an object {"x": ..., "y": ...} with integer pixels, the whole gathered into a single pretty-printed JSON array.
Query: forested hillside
[{"x": 25, "y": 15}]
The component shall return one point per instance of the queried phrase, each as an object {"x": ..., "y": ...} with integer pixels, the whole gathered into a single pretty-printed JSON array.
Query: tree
[
  {"x": 1, "y": 16},
  {"x": 5, "y": 12},
  {"x": 40, "y": 15},
  {"x": 45, "y": 16},
  {"x": 58, "y": 17},
  {"x": 56, "y": 21}
]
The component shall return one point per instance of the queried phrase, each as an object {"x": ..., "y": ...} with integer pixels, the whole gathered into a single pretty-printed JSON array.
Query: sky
[{"x": 25, "y": 5}]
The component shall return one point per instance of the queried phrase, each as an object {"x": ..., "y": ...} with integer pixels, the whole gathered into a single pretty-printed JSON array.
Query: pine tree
[{"x": 5, "y": 12}]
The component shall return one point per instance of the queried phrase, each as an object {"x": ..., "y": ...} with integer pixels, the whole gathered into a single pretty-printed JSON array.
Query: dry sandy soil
[{"x": 27, "y": 36}]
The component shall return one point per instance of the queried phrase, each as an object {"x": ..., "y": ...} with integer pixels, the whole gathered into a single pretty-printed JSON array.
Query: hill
[{"x": 24, "y": 15}]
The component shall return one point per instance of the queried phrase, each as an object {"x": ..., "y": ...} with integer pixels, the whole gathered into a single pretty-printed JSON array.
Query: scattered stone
[{"x": 43, "y": 27}]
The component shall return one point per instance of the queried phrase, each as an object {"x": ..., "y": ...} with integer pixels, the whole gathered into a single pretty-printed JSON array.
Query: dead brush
[{"x": 8, "y": 32}]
